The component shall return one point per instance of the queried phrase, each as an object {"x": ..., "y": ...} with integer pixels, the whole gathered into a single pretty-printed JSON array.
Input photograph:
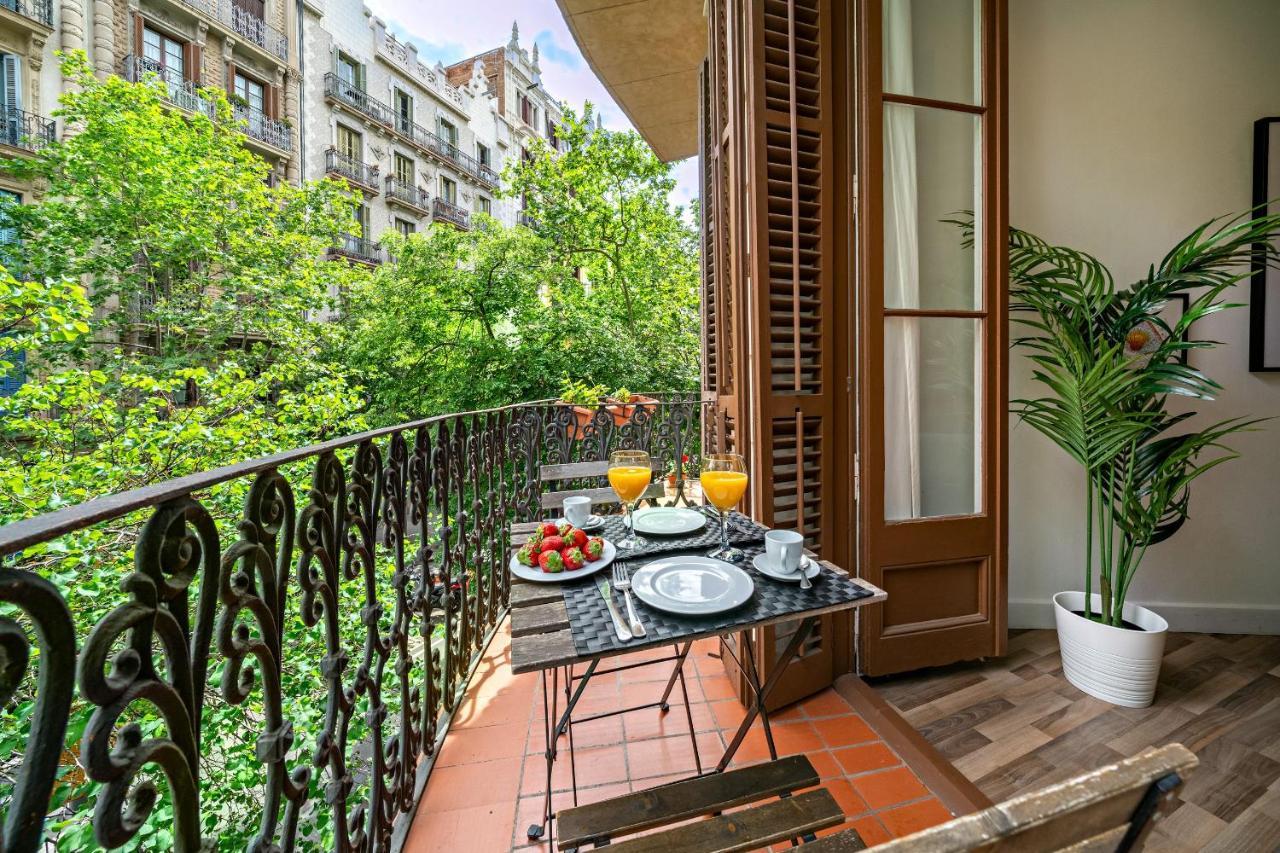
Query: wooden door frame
[{"x": 948, "y": 540}]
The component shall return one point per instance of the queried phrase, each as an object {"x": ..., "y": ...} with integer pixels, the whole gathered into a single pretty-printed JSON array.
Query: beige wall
[{"x": 1130, "y": 124}]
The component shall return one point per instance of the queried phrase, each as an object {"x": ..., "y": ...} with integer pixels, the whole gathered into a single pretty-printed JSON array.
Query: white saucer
[
  {"x": 668, "y": 521},
  {"x": 770, "y": 569},
  {"x": 595, "y": 522}
]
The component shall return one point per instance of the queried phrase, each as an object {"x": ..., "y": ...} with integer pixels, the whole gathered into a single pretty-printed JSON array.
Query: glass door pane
[{"x": 932, "y": 49}]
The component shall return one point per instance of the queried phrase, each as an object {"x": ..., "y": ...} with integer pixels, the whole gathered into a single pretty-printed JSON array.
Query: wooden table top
[{"x": 540, "y": 635}]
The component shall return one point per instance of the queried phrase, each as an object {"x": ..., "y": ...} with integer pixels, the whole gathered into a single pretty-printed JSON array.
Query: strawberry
[
  {"x": 552, "y": 543},
  {"x": 573, "y": 558},
  {"x": 579, "y": 537},
  {"x": 535, "y": 539},
  {"x": 528, "y": 554},
  {"x": 565, "y": 529},
  {"x": 549, "y": 529},
  {"x": 551, "y": 562},
  {"x": 594, "y": 549}
]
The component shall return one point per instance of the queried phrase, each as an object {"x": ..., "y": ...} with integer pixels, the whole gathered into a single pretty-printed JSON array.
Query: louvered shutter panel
[
  {"x": 795, "y": 371},
  {"x": 12, "y": 82}
]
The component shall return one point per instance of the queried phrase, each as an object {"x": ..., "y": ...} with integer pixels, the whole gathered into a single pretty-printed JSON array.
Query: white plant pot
[{"x": 1117, "y": 665}]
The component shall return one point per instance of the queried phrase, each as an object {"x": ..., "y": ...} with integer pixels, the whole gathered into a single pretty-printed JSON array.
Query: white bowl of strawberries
[{"x": 559, "y": 553}]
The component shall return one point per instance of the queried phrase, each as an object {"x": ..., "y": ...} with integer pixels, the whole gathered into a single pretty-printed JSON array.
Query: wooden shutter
[
  {"x": 944, "y": 570},
  {"x": 793, "y": 394}
]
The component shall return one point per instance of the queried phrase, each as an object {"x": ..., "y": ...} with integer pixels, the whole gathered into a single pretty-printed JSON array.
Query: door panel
[{"x": 934, "y": 313}]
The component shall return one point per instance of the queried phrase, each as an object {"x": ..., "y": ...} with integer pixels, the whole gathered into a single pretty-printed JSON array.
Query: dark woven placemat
[
  {"x": 593, "y": 632},
  {"x": 742, "y": 532}
]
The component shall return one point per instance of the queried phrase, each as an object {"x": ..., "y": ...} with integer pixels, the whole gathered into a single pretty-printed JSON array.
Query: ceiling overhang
[{"x": 648, "y": 54}]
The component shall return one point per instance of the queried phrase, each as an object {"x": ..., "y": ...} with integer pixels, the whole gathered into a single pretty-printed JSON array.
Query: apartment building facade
[{"x": 421, "y": 144}]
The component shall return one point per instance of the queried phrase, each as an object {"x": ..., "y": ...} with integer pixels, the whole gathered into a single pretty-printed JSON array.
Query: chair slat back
[
  {"x": 1108, "y": 809},
  {"x": 585, "y": 471}
]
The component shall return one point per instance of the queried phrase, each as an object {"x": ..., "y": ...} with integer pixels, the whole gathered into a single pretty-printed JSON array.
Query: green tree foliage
[{"x": 603, "y": 287}]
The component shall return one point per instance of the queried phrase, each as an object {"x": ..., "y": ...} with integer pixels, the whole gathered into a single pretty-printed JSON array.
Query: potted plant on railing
[
  {"x": 586, "y": 400},
  {"x": 1104, "y": 404}
]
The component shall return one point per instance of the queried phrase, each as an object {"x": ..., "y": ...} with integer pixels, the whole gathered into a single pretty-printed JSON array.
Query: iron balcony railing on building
[
  {"x": 244, "y": 23},
  {"x": 409, "y": 195},
  {"x": 186, "y": 95},
  {"x": 359, "y": 100},
  {"x": 360, "y": 249},
  {"x": 40, "y": 11},
  {"x": 446, "y": 211},
  {"x": 355, "y": 171},
  {"x": 25, "y": 130},
  {"x": 302, "y": 625}
]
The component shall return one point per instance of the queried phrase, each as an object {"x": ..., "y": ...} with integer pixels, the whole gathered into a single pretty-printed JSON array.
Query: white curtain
[{"x": 901, "y": 274}]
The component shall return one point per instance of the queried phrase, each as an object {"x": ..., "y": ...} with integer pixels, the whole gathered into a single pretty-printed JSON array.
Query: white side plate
[
  {"x": 669, "y": 521},
  {"x": 692, "y": 586},
  {"x": 537, "y": 575},
  {"x": 768, "y": 568}
]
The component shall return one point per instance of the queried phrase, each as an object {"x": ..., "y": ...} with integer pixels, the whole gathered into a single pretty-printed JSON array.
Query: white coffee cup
[
  {"x": 784, "y": 548},
  {"x": 577, "y": 510}
]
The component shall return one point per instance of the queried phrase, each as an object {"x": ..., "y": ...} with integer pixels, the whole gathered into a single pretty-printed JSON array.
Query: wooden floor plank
[{"x": 1218, "y": 694}]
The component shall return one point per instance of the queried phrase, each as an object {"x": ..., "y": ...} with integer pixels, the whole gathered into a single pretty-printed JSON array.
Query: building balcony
[
  {"x": 39, "y": 12},
  {"x": 244, "y": 25},
  {"x": 446, "y": 211},
  {"x": 26, "y": 131},
  {"x": 409, "y": 196},
  {"x": 526, "y": 220},
  {"x": 361, "y": 102},
  {"x": 359, "y": 249},
  {"x": 355, "y": 172},
  {"x": 272, "y": 135}
]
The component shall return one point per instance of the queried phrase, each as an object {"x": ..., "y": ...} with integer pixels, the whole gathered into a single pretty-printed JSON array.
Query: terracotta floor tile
[
  {"x": 472, "y": 746},
  {"x": 599, "y": 732},
  {"x": 871, "y": 830},
  {"x": 470, "y": 785},
  {"x": 728, "y": 713},
  {"x": 528, "y": 812},
  {"x": 850, "y": 802},
  {"x": 591, "y": 766},
  {"x": 706, "y": 665},
  {"x": 481, "y": 829},
  {"x": 905, "y": 820},
  {"x": 866, "y": 757},
  {"x": 789, "y": 739},
  {"x": 603, "y": 792},
  {"x": 635, "y": 693},
  {"x": 844, "y": 731},
  {"x": 653, "y": 723},
  {"x": 718, "y": 687},
  {"x": 660, "y": 756},
  {"x": 828, "y": 703},
  {"x": 886, "y": 788},
  {"x": 825, "y": 763}
]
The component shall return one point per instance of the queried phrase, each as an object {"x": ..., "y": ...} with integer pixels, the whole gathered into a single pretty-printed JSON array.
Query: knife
[{"x": 621, "y": 627}]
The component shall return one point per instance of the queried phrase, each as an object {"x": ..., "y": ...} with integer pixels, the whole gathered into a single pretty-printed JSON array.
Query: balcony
[
  {"x": 407, "y": 195},
  {"x": 354, "y": 171},
  {"x": 245, "y": 25},
  {"x": 359, "y": 101},
  {"x": 359, "y": 249},
  {"x": 38, "y": 11},
  {"x": 25, "y": 130},
  {"x": 445, "y": 211},
  {"x": 272, "y": 134}
]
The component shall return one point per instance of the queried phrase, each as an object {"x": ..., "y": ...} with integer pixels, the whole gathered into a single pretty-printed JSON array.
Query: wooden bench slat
[
  {"x": 683, "y": 800},
  {"x": 529, "y": 594},
  {"x": 539, "y": 619},
  {"x": 542, "y": 651},
  {"x": 574, "y": 470},
  {"x": 749, "y": 829}
]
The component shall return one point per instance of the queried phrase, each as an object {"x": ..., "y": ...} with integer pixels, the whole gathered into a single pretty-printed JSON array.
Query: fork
[{"x": 622, "y": 581}]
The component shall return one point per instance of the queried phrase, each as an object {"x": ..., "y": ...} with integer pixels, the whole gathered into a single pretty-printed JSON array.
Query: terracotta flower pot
[{"x": 621, "y": 412}]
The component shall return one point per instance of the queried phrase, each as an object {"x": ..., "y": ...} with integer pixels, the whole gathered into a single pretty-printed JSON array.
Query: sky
[{"x": 447, "y": 31}]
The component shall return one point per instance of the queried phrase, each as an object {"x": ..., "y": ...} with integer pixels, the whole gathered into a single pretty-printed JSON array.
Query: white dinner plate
[
  {"x": 668, "y": 521},
  {"x": 692, "y": 586},
  {"x": 769, "y": 568},
  {"x": 595, "y": 522},
  {"x": 537, "y": 575}
]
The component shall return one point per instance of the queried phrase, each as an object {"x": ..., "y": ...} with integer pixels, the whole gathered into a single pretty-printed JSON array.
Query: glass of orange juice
[
  {"x": 630, "y": 472},
  {"x": 724, "y": 480}
]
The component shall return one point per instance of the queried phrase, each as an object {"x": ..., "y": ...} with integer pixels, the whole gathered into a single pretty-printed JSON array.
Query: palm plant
[{"x": 1106, "y": 408}]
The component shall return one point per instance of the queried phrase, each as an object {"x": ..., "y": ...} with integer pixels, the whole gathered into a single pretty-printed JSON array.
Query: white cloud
[{"x": 446, "y": 32}]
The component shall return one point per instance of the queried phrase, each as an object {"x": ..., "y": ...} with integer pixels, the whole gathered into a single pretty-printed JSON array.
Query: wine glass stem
[
  {"x": 631, "y": 521},
  {"x": 724, "y": 530}
]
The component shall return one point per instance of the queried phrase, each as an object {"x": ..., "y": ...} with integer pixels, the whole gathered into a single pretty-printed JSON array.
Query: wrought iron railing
[
  {"x": 447, "y": 211},
  {"x": 313, "y": 615},
  {"x": 36, "y": 10},
  {"x": 262, "y": 127},
  {"x": 244, "y": 23},
  {"x": 408, "y": 194},
  {"x": 362, "y": 102},
  {"x": 358, "y": 249},
  {"x": 186, "y": 95},
  {"x": 355, "y": 171},
  {"x": 22, "y": 129}
]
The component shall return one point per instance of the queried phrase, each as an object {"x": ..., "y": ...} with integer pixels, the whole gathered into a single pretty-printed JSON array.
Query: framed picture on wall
[{"x": 1264, "y": 294}]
